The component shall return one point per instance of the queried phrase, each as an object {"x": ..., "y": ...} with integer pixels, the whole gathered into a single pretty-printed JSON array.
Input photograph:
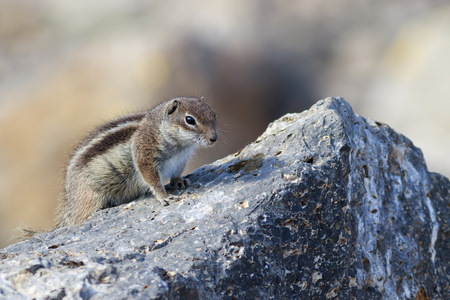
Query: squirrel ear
[{"x": 173, "y": 107}]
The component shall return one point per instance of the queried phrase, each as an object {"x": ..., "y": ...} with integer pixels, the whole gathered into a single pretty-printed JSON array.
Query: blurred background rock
[{"x": 66, "y": 66}]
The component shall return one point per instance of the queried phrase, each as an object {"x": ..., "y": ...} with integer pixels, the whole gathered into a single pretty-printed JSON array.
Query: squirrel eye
[{"x": 190, "y": 120}]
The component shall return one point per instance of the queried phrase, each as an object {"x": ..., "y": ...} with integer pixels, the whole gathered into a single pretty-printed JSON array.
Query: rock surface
[{"x": 325, "y": 204}]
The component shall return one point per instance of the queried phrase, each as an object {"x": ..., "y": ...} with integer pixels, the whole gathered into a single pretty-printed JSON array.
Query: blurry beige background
[{"x": 66, "y": 66}]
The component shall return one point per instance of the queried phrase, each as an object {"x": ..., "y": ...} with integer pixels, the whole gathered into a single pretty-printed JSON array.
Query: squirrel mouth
[{"x": 207, "y": 142}]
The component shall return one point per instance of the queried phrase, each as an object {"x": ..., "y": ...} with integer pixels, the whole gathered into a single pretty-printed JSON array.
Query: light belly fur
[{"x": 174, "y": 166}]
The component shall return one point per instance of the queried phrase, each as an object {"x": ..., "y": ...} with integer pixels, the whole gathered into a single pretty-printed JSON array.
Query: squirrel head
[{"x": 193, "y": 121}]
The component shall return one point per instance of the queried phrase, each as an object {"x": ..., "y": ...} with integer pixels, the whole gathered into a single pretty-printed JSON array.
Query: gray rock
[{"x": 325, "y": 204}]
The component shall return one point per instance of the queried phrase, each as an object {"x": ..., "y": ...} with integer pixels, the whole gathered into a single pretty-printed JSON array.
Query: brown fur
[
  {"x": 110, "y": 125},
  {"x": 109, "y": 141}
]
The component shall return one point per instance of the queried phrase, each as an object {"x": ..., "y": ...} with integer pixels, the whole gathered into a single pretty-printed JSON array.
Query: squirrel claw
[{"x": 163, "y": 202}]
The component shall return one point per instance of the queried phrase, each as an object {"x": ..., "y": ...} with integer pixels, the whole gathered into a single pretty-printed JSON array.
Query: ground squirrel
[{"x": 133, "y": 155}]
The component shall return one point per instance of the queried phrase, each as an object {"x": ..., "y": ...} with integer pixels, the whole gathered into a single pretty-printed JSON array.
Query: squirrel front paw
[
  {"x": 165, "y": 201},
  {"x": 180, "y": 183}
]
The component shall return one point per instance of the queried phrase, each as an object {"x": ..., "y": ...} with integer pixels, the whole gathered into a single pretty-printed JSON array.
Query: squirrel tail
[{"x": 23, "y": 233}]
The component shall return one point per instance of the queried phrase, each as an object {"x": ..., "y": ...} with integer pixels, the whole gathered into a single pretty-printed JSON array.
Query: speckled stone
[{"x": 325, "y": 204}]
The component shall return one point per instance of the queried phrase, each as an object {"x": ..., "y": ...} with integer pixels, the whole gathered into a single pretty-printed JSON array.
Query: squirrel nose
[{"x": 213, "y": 138}]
